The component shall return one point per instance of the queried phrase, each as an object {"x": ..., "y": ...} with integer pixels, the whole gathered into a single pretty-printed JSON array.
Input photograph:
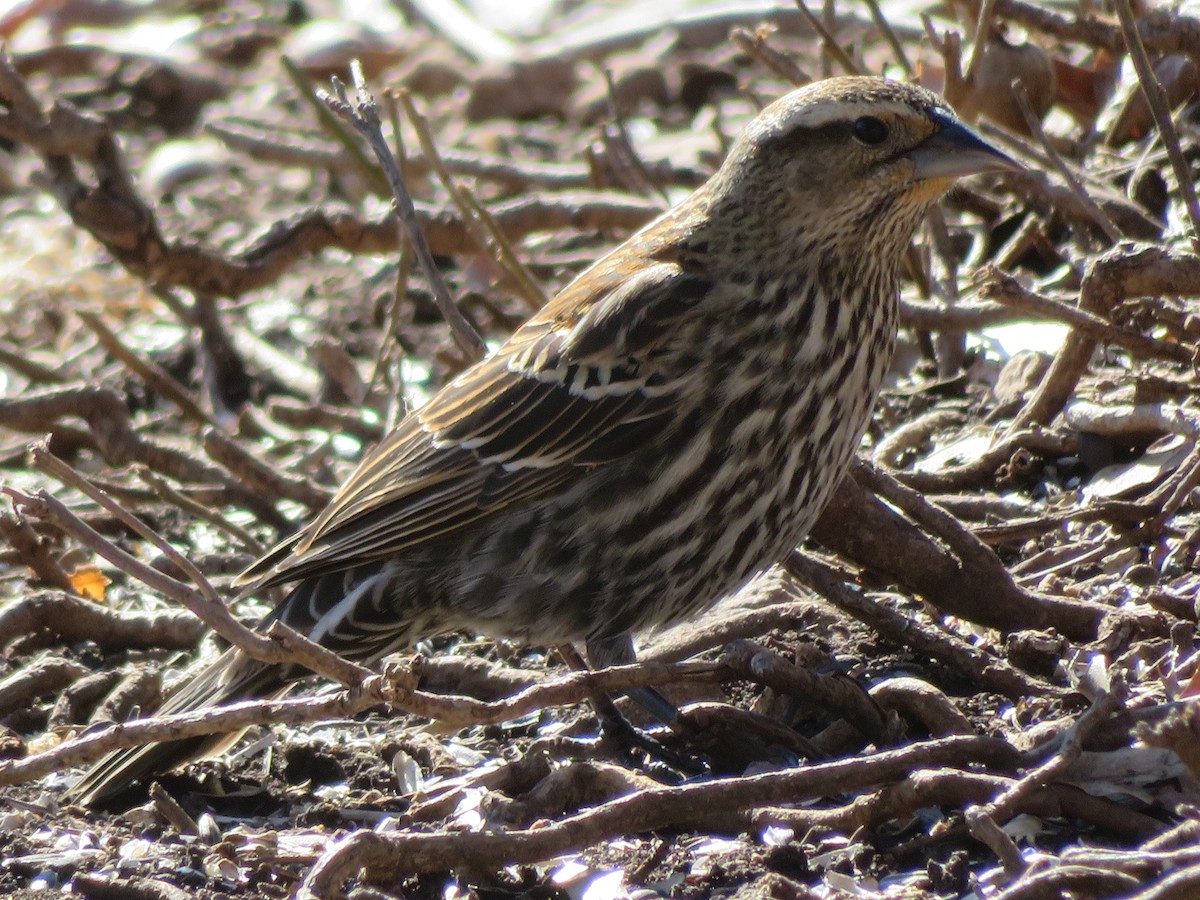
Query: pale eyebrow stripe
[{"x": 828, "y": 113}]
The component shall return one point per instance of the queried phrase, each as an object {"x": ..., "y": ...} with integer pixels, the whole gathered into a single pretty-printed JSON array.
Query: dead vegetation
[{"x": 977, "y": 679}]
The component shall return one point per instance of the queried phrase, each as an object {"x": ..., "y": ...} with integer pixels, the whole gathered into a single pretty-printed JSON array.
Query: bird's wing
[{"x": 576, "y": 386}]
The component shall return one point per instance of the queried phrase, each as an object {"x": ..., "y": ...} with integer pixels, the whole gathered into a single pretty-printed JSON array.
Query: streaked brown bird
[{"x": 669, "y": 425}]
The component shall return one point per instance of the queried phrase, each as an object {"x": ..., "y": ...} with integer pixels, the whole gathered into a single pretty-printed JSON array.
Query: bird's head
[{"x": 852, "y": 162}]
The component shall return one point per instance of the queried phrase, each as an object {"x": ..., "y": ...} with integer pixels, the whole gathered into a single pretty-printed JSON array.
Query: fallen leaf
[{"x": 90, "y": 582}]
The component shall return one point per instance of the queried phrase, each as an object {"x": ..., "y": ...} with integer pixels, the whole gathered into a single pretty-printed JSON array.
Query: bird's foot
[{"x": 666, "y": 763}]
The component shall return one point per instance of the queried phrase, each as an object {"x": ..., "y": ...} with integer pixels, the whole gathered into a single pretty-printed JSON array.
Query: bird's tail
[{"x": 231, "y": 677}]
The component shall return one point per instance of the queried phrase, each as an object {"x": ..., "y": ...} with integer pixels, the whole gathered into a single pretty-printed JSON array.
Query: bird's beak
[{"x": 954, "y": 150}]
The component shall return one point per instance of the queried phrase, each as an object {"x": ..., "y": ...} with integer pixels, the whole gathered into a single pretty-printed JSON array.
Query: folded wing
[{"x": 580, "y": 384}]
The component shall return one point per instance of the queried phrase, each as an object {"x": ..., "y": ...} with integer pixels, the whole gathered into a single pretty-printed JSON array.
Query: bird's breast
[{"x": 788, "y": 410}]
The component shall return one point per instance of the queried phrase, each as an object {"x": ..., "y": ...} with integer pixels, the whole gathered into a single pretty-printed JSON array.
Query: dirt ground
[{"x": 976, "y": 679}]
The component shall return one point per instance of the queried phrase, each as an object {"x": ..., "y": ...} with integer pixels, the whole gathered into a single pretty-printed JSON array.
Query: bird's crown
[{"x": 837, "y": 102}]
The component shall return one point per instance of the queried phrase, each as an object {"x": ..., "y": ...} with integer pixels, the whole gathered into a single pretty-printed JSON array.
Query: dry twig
[{"x": 364, "y": 116}]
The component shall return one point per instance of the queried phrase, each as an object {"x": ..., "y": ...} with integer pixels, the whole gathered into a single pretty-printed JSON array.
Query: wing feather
[{"x": 573, "y": 387}]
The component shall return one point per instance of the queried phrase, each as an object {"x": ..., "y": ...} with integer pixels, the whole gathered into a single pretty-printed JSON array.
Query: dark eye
[{"x": 870, "y": 130}]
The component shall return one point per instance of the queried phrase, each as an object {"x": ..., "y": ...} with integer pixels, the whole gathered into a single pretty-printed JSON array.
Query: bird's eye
[{"x": 870, "y": 130}]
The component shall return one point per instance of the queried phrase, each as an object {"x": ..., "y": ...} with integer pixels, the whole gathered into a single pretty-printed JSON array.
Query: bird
[{"x": 666, "y": 427}]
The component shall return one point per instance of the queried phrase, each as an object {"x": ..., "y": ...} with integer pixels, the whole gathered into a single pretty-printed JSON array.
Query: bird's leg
[
  {"x": 602, "y": 704},
  {"x": 615, "y": 726},
  {"x": 618, "y": 651}
]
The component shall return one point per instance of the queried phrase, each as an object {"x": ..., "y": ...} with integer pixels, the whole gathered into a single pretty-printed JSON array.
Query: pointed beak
[{"x": 954, "y": 150}]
